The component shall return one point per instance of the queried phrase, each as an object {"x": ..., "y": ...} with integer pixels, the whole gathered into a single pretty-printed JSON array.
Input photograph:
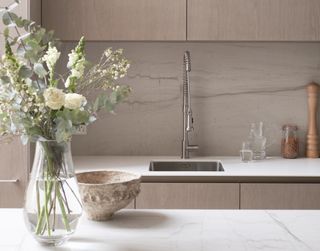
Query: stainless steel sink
[{"x": 188, "y": 165}]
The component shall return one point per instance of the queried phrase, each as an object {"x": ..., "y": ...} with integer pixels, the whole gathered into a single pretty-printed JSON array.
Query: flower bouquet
[{"x": 40, "y": 105}]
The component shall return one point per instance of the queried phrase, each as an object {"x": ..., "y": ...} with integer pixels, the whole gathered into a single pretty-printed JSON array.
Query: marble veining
[
  {"x": 286, "y": 229},
  {"x": 233, "y": 84},
  {"x": 187, "y": 230}
]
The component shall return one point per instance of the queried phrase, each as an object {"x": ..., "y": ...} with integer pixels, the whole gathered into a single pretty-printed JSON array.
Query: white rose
[
  {"x": 74, "y": 101},
  {"x": 54, "y": 98}
]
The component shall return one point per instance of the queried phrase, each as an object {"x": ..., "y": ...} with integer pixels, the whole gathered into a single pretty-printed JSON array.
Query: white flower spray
[{"x": 50, "y": 58}]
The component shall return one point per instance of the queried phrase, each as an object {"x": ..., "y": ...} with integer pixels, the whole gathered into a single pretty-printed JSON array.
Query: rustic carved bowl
[{"x": 105, "y": 192}]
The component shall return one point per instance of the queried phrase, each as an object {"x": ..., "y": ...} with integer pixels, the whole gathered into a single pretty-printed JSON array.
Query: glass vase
[{"x": 52, "y": 203}]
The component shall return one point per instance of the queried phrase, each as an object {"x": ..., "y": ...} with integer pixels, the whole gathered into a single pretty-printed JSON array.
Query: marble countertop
[
  {"x": 194, "y": 230},
  {"x": 272, "y": 169}
]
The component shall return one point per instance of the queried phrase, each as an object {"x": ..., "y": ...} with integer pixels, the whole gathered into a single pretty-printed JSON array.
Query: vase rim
[{"x": 52, "y": 140}]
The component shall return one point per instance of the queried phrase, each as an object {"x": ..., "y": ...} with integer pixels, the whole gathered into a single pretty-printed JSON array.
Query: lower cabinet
[
  {"x": 280, "y": 196},
  {"x": 228, "y": 196},
  {"x": 12, "y": 194},
  {"x": 188, "y": 196},
  {"x": 14, "y": 170}
]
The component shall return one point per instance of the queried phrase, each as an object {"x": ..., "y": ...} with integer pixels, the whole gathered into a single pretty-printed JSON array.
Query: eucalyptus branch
[{"x": 22, "y": 43}]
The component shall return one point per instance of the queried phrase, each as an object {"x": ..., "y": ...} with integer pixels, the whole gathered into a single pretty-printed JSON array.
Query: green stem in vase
[
  {"x": 42, "y": 215},
  {"x": 54, "y": 208},
  {"x": 40, "y": 222},
  {"x": 38, "y": 198},
  {"x": 52, "y": 184},
  {"x": 46, "y": 200},
  {"x": 62, "y": 208}
]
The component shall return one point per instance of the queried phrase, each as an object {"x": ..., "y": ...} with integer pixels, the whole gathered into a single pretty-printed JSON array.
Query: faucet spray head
[{"x": 187, "y": 60}]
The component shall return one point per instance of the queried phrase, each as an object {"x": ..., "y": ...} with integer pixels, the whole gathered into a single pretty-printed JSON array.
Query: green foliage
[
  {"x": 63, "y": 129},
  {"x": 108, "y": 102},
  {"x": 76, "y": 117},
  {"x": 31, "y": 104},
  {"x": 25, "y": 72},
  {"x": 33, "y": 46},
  {"x": 67, "y": 120},
  {"x": 39, "y": 70}
]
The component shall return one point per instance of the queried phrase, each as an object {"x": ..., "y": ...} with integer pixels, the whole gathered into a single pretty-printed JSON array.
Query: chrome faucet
[{"x": 186, "y": 107}]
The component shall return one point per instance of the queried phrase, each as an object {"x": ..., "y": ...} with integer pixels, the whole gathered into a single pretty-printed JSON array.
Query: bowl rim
[{"x": 137, "y": 177}]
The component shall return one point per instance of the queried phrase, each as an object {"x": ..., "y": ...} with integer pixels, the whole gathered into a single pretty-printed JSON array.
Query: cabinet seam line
[
  {"x": 186, "y": 20},
  {"x": 239, "y": 196}
]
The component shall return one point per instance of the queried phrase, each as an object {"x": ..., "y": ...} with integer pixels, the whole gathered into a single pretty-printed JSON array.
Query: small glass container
[
  {"x": 246, "y": 154},
  {"x": 290, "y": 142}
]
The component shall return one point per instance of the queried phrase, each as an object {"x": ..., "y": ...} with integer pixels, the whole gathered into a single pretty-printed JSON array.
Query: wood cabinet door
[
  {"x": 188, "y": 196},
  {"x": 14, "y": 170},
  {"x": 280, "y": 196},
  {"x": 116, "y": 19},
  {"x": 14, "y": 157},
  {"x": 254, "y": 20}
]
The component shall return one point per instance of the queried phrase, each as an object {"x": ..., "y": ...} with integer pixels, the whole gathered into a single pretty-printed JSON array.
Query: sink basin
[{"x": 186, "y": 165}]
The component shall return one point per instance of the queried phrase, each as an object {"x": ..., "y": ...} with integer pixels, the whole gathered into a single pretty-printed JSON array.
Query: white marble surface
[
  {"x": 232, "y": 85},
  {"x": 271, "y": 167},
  {"x": 174, "y": 230}
]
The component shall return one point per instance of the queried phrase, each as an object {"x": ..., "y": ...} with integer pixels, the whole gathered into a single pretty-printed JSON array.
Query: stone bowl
[{"x": 105, "y": 192}]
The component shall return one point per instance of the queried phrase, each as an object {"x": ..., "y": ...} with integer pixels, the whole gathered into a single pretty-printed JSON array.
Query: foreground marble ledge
[{"x": 166, "y": 230}]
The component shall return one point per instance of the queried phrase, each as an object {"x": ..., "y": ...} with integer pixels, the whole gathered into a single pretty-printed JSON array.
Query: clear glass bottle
[
  {"x": 257, "y": 141},
  {"x": 290, "y": 142},
  {"x": 52, "y": 203},
  {"x": 246, "y": 154}
]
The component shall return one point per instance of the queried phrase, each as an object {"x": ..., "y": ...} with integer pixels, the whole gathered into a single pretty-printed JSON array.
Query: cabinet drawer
[
  {"x": 254, "y": 20},
  {"x": 188, "y": 196},
  {"x": 116, "y": 19},
  {"x": 280, "y": 196},
  {"x": 14, "y": 165},
  {"x": 12, "y": 194}
]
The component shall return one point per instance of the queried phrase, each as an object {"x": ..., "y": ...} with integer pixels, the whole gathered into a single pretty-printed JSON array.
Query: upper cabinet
[
  {"x": 181, "y": 20},
  {"x": 253, "y": 20},
  {"x": 154, "y": 20}
]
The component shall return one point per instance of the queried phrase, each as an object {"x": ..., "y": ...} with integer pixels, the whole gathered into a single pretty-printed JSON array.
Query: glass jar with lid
[{"x": 290, "y": 142}]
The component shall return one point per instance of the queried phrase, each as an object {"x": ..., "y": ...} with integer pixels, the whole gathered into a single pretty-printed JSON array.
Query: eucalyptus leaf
[
  {"x": 6, "y": 19},
  {"x": 63, "y": 130},
  {"x": 39, "y": 70},
  {"x": 9, "y": 18},
  {"x": 104, "y": 102},
  {"x": 113, "y": 97},
  {"x": 19, "y": 22},
  {"x": 21, "y": 50},
  {"x": 76, "y": 116},
  {"x": 13, "y": 41},
  {"x": 6, "y": 32},
  {"x": 5, "y": 79},
  {"x": 25, "y": 72}
]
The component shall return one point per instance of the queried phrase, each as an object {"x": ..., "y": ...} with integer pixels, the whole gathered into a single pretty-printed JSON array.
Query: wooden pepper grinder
[{"x": 312, "y": 136}]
